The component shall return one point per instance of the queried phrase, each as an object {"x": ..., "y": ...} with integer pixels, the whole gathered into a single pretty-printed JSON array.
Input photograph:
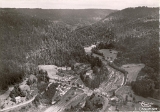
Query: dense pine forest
[{"x": 30, "y": 37}]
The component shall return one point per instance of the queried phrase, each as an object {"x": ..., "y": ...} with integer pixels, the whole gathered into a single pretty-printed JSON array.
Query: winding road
[{"x": 19, "y": 105}]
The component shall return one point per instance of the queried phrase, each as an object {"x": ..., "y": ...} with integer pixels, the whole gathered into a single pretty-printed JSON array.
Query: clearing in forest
[
  {"x": 109, "y": 54},
  {"x": 133, "y": 70},
  {"x": 51, "y": 70}
]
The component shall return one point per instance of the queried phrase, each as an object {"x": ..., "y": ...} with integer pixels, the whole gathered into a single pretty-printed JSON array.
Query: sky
[{"x": 77, "y": 4}]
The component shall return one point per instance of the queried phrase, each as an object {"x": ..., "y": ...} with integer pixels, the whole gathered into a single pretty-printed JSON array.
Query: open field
[
  {"x": 133, "y": 70},
  {"x": 6, "y": 94},
  {"x": 51, "y": 70},
  {"x": 109, "y": 53}
]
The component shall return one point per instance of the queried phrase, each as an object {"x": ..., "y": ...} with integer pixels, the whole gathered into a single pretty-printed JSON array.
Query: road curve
[{"x": 19, "y": 105}]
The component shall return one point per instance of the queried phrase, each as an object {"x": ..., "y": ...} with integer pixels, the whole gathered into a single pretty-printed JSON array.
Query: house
[
  {"x": 89, "y": 73},
  {"x": 18, "y": 99}
]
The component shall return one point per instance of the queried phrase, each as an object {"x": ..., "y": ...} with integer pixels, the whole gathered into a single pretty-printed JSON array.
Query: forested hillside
[
  {"x": 74, "y": 17},
  {"x": 135, "y": 33},
  {"x": 27, "y": 41},
  {"x": 133, "y": 30},
  {"x": 29, "y": 37}
]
